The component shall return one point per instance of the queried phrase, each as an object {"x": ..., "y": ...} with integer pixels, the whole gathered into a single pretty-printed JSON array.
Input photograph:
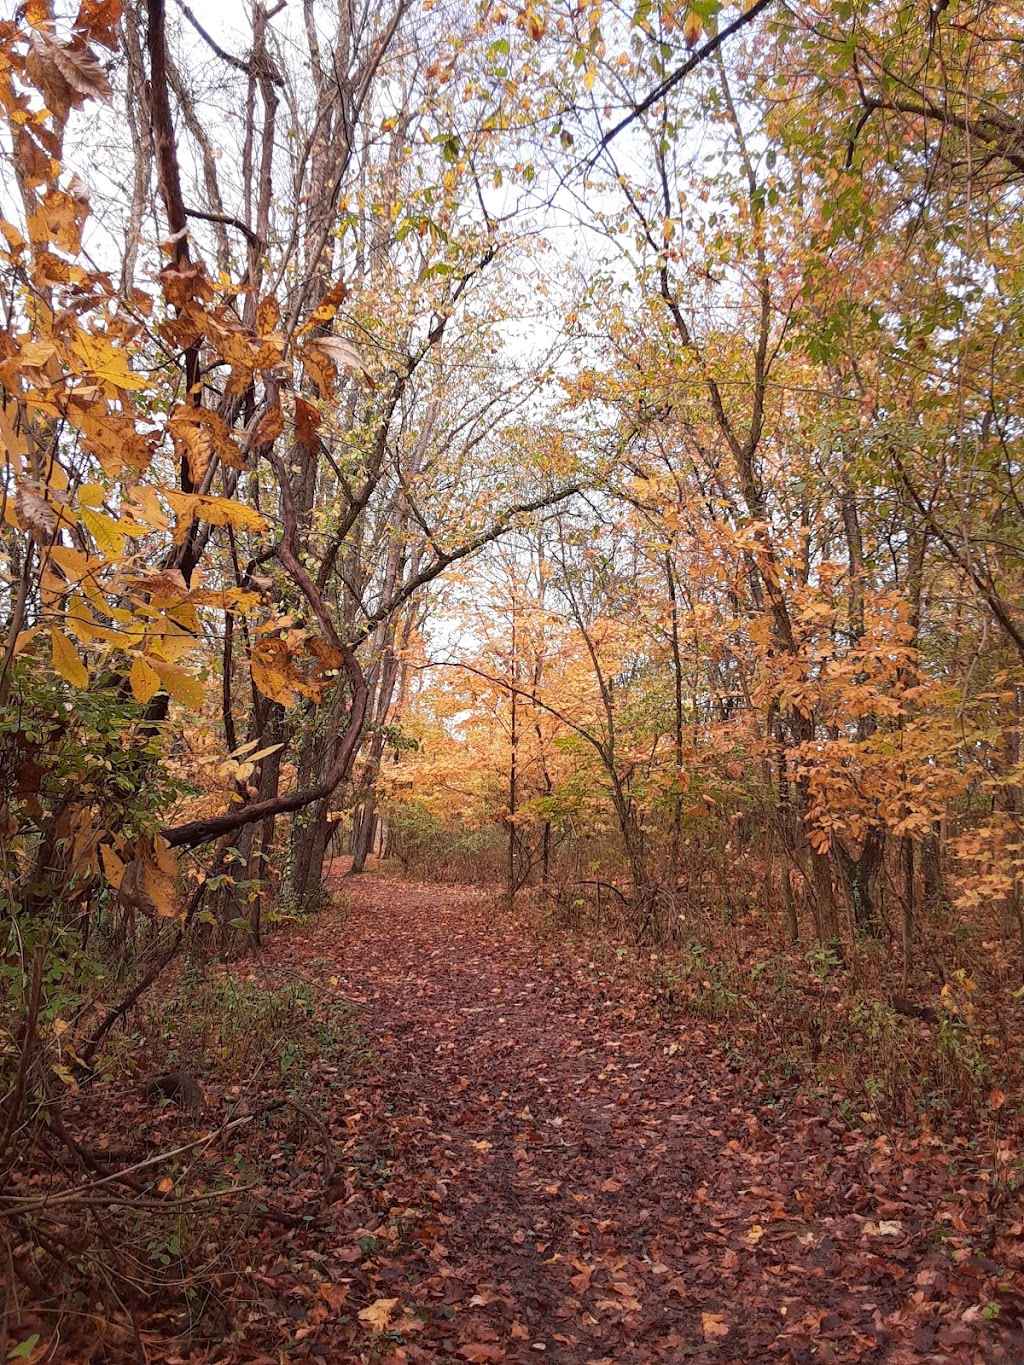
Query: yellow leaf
[
  {"x": 91, "y": 494},
  {"x": 378, "y": 1315},
  {"x": 192, "y": 443},
  {"x": 35, "y": 354},
  {"x": 25, "y": 638},
  {"x": 113, "y": 867},
  {"x": 15, "y": 444},
  {"x": 327, "y": 307},
  {"x": 263, "y": 753},
  {"x": 172, "y": 643},
  {"x": 59, "y": 219},
  {"x": 167, "y": 583},
  {"x": 268, "y": 317},
  {"x": 179, "y": 683},
  {"x": 184, "y": 614},
  {"x": 74, "y": 564},
  {"x": 106, "y": 532},
  {"x": 228, "y": 599},
  {"x": 268, "y": 428},
  {"x": 66, "y": 659},
  {"x": 274, "y": 672},
  {"x": 106, "y": 362},
  {"x": 81, "y": 621},
  {"x": 190, "y": 507},
  {"x": 145, "y": 680},
  {"x": 159, "y": 874},
  {"x": 145, "y": 506},
  {"x": 693, "y": 28}
]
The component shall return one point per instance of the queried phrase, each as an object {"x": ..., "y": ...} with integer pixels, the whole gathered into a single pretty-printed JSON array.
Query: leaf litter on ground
[{"x": 523, "y": 1173}]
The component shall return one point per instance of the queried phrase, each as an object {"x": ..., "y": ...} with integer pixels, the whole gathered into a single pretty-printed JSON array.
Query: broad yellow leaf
[
  {"x": 107, "y": 362},
  {"x": 113, "y": 867},
  {"x": 81, "y": 621},
  {"x": 273, "y": 684},
  {"x": 145, "y": 506},
  {"x": 91, "y": 494},
  {"x": 106, "y": 532},
  {"x": 378, "y": 1315},
  {"x": 179, "y": 683},
  {"x": 159, "y": 875},
  {"x": 243, "y": 749},
  {"x": 73, "y": 564},
  {"x": 25, "y": 638},
  {"x": 33, "y": 354},
  {"x": 144, "y": 679},
  {"x": 269, "y": 427},
  {"x": 66, "y": 659},
  {"x": 190, "y": 507},
  {"x": 327, "y": 307},
  {"x": 268, "y": 317},
  {"x": 274, "y": 672}
]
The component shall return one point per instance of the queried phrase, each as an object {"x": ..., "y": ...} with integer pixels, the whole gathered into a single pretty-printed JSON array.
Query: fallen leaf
[
  {"x": 334, "y": 1295},
  {"x": 713, "y": 1325},
  {"x": 378, "y": 1314}
]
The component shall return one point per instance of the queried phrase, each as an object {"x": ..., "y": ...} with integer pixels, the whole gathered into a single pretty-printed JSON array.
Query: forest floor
[
  {"x": 492, "y": 1149},
  {"x": 536, "y": 1170}
]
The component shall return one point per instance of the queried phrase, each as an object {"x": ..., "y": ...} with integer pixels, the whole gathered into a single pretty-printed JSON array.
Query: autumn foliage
[{"x": 570, "y": 450}]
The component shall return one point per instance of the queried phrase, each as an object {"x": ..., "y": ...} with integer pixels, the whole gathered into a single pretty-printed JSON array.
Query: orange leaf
[{"x": 713, "y": 1325}]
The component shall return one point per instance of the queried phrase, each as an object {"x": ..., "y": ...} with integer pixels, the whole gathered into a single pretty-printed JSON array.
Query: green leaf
[{"x": 24, "y": 1348}]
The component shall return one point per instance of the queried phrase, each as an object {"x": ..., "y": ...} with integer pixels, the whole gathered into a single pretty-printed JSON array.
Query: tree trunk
[
  {"x": 513, "y": 783},
  {"x": 859, "y": 876},
  {"x": 363, "y": 832}
]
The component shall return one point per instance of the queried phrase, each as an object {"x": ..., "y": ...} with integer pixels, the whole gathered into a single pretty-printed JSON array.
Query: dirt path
[{"x": 565, "y": 1182}]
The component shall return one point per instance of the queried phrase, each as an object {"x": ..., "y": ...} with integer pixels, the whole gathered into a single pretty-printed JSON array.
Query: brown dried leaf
[
  {"x": 67, "y": 74},
  {"x": 35, "y": 515}
]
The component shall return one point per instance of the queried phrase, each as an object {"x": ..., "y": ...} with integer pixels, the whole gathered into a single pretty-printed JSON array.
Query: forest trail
[{"x": 564, "y": 1184}]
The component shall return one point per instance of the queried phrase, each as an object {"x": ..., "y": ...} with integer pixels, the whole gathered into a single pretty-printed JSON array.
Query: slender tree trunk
[
  {"x": 364, "y": 829},
  {"x": 676, "y": 841},
  {"x": 513, "y": 772},
  {"x": 907, "y": 917}
]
